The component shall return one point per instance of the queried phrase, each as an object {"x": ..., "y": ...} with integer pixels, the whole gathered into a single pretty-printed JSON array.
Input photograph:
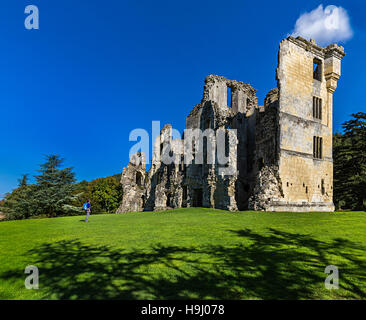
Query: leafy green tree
[
  {"x": 350, "y": 164},
  {"x": 107, "y": 193},
  {"x": 2, "y": 202},
  {"x": 83, "y": 190}
]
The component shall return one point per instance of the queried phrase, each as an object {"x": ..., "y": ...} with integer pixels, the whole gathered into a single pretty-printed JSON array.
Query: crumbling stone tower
[{"x": 294, "y": 130}]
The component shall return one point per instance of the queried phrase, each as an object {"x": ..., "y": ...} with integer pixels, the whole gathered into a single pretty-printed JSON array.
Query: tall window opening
[
  {"x": 260, "y": 164},
  {"x": 197, "y": 198},
  {"x": 159, "y": 178},
  {"x": 182, "y": 167},
  {"x": 317, "y": 147},
  {"x": 139, "y": 179},
  {"x": 317, "y": 108},
  {"x": 185, "y": 193},
  {"x": 317, "y": 69},
  {"x": 169, "y": 200},
  {"x": 229, "y": 97},
  {"x": 208, "y": 124}
]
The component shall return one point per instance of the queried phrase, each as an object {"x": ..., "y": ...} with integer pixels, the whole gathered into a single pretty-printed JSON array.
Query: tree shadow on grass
[{"x": 275, "y": 265}]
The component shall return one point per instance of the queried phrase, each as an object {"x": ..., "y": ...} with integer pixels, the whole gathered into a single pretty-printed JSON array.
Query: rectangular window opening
[
  {"x": 229, "y": 97},
  {"x": 317, "y": 147},
  {"x": 185, "y": 193},
  {"x": 320, "y": 108},
  {"x": 317, "y": 108},
  {"x": 317, "y": 69}
]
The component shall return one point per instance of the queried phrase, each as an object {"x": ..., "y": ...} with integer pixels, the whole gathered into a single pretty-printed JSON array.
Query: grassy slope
[{"x": 186, "y": 253}]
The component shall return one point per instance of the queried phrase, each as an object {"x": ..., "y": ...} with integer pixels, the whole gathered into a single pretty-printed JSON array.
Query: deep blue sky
[{"x": 98, "y": 69}]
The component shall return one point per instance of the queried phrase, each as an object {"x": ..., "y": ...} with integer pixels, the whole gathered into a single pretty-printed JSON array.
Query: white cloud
[{"x": 325, "y": 25}]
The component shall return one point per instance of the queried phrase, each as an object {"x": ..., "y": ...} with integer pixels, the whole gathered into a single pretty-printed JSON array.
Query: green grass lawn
[{"x": 186, "y": 254}]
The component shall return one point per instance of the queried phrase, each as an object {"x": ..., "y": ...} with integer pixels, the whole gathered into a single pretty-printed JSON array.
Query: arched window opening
[{"x": 139, "y": 179}]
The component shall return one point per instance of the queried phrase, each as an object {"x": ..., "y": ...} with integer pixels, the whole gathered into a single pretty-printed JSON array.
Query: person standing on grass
[{"x": 87, "y": 208}]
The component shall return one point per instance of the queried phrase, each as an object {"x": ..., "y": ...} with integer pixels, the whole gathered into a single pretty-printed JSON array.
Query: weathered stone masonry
[{"x": 282, "y": 152}]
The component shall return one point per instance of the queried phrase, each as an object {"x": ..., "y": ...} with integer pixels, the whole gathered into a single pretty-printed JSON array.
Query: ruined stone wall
[
  {"x": 267, "y": 186},
  {"x": 219, "y": 190},
  {"x": 271, "y": 154},
  {"x": 164, "y": 187},
  {"x": 267, "y": 132},
  {"x": 133, "y": 181},
  {"x": 203, "y": 179}
]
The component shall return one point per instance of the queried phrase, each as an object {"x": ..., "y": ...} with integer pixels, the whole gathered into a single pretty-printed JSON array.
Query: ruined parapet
[
  {"x": 271, "y": 99},
  {"x": 215, "y": 89},
  {"x": 133, "y": 183},
  {"x": 243, "y": 96},
  {"x": 243, "y": 99}
]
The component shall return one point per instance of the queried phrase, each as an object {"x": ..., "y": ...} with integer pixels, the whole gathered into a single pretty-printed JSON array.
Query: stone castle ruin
[{"x": 281, "y": 154}]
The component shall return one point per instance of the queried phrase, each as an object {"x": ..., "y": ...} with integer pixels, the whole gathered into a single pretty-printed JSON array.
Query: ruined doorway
[
  {"x": 139, "y": 179},
  {"x": 197, "y": 197},
  {"x": 168, "y": 200}
]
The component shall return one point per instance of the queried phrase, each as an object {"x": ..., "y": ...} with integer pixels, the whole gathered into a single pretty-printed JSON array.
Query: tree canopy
[
  {"x": 349, "y": 153},
  {"x": 51, "y": 195}
]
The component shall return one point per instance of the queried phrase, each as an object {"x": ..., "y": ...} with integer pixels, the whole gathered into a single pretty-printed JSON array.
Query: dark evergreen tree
[
  {"x": 23, "y": 181},
  {"x": 349, "y": 153},
  {"x": 55, "y": 187},
  {"x": 20, "y": 203}
]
